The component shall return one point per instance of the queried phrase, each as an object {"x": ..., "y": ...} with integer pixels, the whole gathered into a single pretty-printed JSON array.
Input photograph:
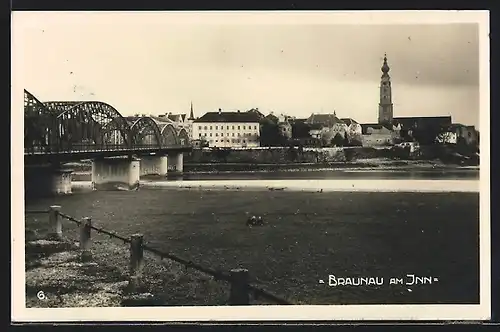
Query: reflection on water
[{"x": 339, "y": 174}]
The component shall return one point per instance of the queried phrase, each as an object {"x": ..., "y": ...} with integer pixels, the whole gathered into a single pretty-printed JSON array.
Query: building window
[
  {"x": 238, "y": 127},
  {"x": 216, "y": 141},
  {"x": 233, "y": 127},
  {"x": 216, "y": 127},
  {"x": 232, "y": 134},
  {"x": 221, "y": 134},
  {"x": 205, "y": 128},
  {"x": 210, "y": 134},
  {"x": 238, "y": 134},
  {"x": 210, "y": 127},
  {"x": 199, "y": 135},
  {"x": 255, "y": 127},
  {"x": 227, "y": 128},
  {"x": 216, "y": 134},
  {"x": 244, "y": 127},
  {"x": 199, "y": 127}
]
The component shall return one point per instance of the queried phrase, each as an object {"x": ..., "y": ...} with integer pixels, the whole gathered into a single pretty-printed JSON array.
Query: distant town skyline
[{"x": 143, "y": 63}]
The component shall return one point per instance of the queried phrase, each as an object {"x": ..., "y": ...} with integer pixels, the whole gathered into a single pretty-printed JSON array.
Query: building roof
[
  {"x": 376, "y": 126},
  {"x": 272, "y": 117},
  {"x": 348, "y": 121},
  {"x": 177, "y": 117},
  {"x": 163, "y": 119},
  {"x": 455, "y": 126},
  {"x": 132, "y": 119},
  {"x": 316, "y": 126},
  {"x": 324, "y": 119},
  {"x": 229, "y": 117},
  {"x": 423, "y": 121},
  {"x": 256, "y": 111}
]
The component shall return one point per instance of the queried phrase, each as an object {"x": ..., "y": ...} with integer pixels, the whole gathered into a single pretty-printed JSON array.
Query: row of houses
[
  {"x": 228, "y": 129},
  {"x": 240, "y": 129}
]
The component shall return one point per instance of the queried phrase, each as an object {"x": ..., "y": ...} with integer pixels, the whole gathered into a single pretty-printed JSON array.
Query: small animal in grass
[{"x": 255, "y": 221}]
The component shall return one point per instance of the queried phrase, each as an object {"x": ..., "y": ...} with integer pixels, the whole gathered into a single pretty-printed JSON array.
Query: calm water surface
[{"x": 459, "y": 174}]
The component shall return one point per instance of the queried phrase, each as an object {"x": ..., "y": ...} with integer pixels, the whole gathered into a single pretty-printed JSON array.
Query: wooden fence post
[
  {"x": 55, "y": 222},
  {"x": 239, "y": 293},
  {"x": 136, "y": 261},
  {"x": 85, "y": 230}
]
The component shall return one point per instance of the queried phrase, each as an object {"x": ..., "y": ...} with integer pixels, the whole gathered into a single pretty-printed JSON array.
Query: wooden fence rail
[{"x": 238, "y": 278}]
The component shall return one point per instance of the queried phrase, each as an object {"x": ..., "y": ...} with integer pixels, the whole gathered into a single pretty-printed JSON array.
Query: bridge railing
[
  {"x": 80, "y": 148},
  {"x": 240, "y": 287}
]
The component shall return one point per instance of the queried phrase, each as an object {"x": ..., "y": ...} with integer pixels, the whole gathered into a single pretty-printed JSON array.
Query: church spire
[
  {"x": 385, "y": 110},
  {"x": 191, "y": 114},
  {"x": 385, "y": 67}
]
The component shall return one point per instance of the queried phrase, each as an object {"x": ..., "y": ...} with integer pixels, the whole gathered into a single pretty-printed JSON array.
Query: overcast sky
[{"x": 149, "y": 63}]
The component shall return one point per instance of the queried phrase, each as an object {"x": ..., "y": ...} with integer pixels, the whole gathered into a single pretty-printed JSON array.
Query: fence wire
[{"x": 257, "y": 292}]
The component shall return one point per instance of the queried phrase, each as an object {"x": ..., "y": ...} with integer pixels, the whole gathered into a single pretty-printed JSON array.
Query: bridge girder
[
  {"x": 86, "y": 125},
  {"x": 169, "y": 134},
  {"x": 145, "y": 131}
]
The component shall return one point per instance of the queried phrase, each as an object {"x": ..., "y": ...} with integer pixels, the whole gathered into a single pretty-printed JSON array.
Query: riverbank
[
  {"x": 448, "y": 154},
  {"x": 361, "y": 164},
  {"x": 56, "y": 276},
  {"x": 83, "y": 171},
  {"x": 310, "y": 185}
]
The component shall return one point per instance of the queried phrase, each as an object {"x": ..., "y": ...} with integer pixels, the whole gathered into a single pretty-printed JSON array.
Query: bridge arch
[
  {"x": 40, "y": 130},
  {"x": 145, "y": 131},
  {"x": 82, "y": 124},
  {"x": 183, "y": 137},
  {"x": 169, "y": 135}
]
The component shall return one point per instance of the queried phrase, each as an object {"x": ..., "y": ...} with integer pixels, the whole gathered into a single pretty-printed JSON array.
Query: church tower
[
  {"x": 385, "y": 111},
  {"x": 191, "y": 114},
  {"x": 189, "y": 122}
]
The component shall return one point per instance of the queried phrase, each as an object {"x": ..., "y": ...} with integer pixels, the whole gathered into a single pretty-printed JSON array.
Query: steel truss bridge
[{"x": 72, "y": 130}]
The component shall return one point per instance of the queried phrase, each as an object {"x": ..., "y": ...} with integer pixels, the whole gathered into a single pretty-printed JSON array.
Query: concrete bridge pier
[
  {"x": 154, "y": 165},
  {"x": 116, "y": 173},
  {"x": 46, "y": 180},
  {"x": 175, "y": 164}
]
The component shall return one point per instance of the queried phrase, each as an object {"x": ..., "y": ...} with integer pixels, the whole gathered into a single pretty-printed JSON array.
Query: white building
[
  {"x": 353, "y": 128},
  {"x": 228, "y": 129}
]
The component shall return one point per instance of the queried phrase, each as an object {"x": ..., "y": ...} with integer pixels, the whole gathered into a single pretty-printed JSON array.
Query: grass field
[{"x": 344, "y": 234}]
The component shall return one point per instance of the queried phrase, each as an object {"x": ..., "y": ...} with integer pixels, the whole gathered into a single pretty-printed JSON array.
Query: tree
[
  {"x": 270, "y": 134},
  {"x": 425, "y": 136},
  {"x": 300, "y": 130},
  {"x": 338, "y": 140},
  {"x": 405, "y": 135},
  {"x": 222, "y": 154},
  {"x": 204, "y": 143},
  {"x": 346, "y": 141},
  {"x": 445, "y": 138}
]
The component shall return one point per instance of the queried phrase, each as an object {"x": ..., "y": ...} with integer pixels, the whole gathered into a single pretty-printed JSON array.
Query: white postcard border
[{"x": 257, "y": 313}]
